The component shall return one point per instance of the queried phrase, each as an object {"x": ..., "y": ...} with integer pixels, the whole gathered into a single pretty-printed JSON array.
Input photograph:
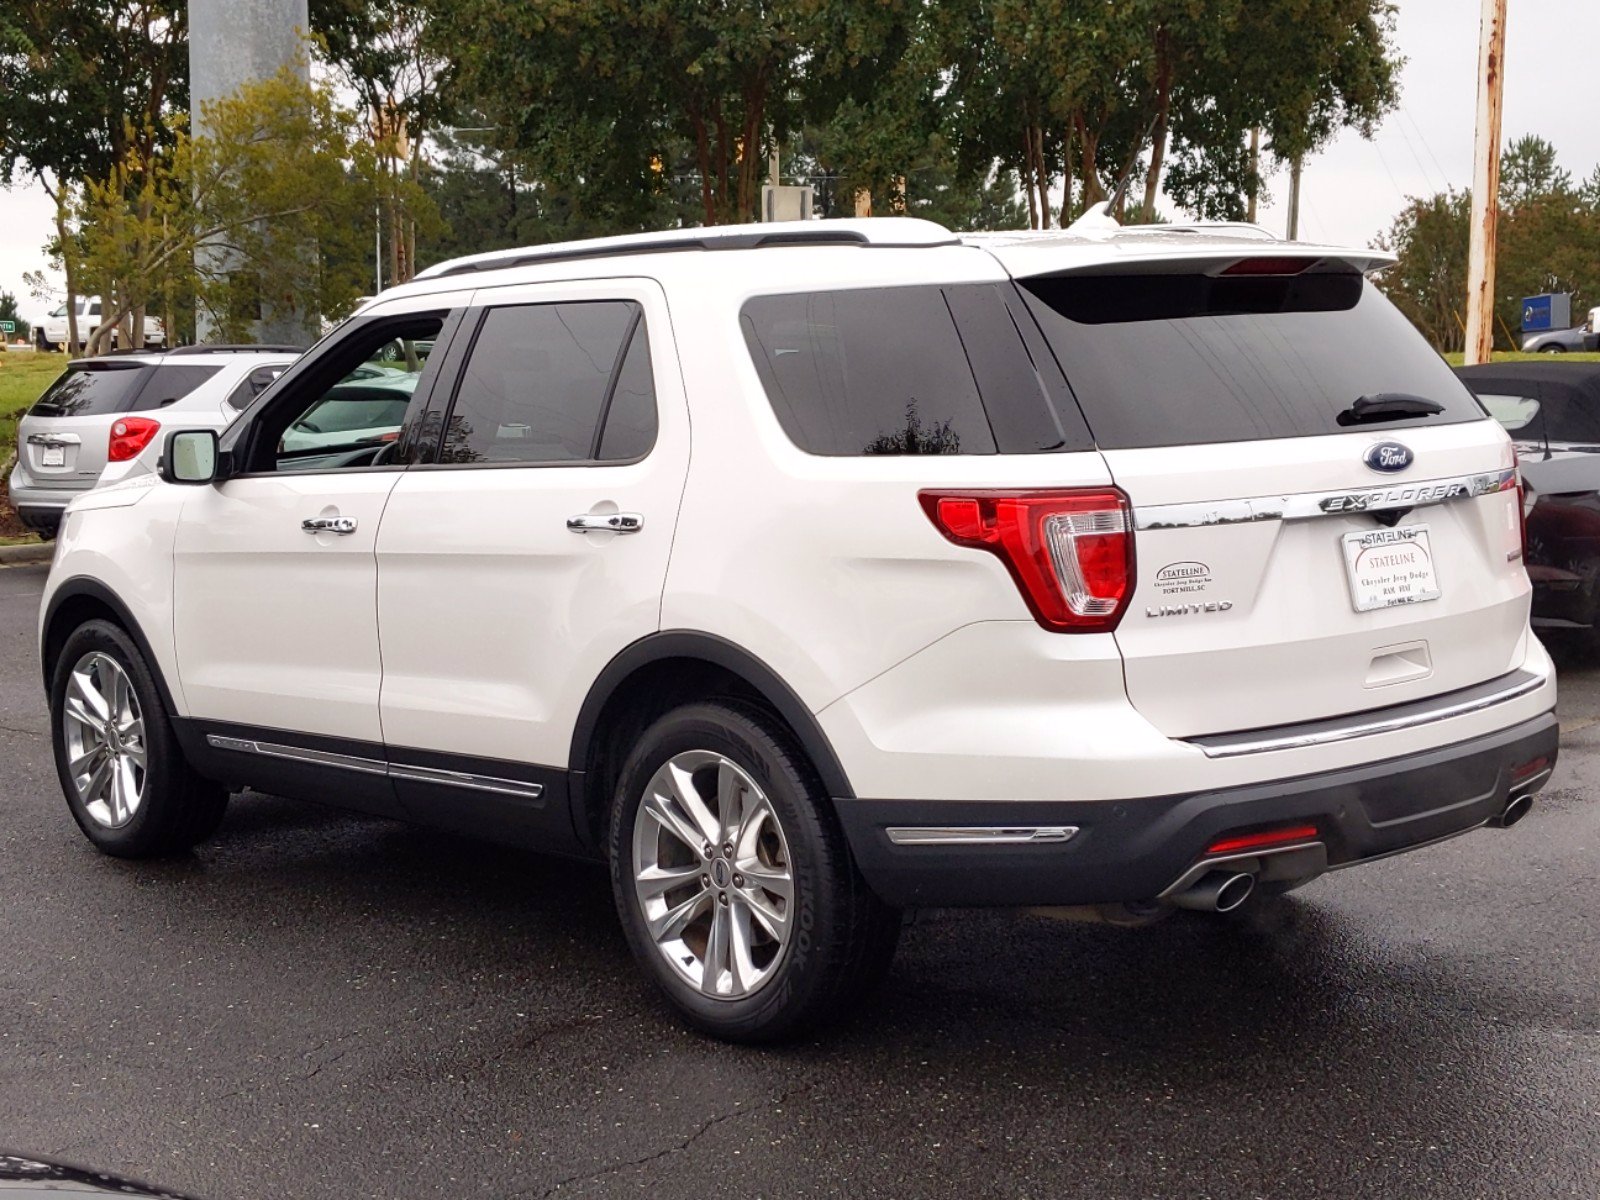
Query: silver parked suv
[
  {"x": 805, "y": 574},
  {"x": 100, "y": 422}
]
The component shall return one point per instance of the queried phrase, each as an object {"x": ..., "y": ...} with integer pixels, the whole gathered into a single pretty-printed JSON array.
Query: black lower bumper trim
[
  {"x": 42, "y": 518},
  {"x": 1133, "y": 850}
]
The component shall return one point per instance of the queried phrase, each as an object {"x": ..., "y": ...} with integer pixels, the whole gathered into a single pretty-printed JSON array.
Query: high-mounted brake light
[
  {"x": 1269, "y": 266},
  {"x": 1070, "y": 551},
  {"x": 129, "y": 436},
  {"x": 1260, "y": 841}
]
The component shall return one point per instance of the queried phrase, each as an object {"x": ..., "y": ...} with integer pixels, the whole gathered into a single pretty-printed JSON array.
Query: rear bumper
[{"x": 1131, "y": 851}]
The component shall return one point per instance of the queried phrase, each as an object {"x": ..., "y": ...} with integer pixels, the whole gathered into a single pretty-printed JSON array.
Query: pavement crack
[
  {"x": 704, "y": 1128},
  {"x": 24, "y": 732}
]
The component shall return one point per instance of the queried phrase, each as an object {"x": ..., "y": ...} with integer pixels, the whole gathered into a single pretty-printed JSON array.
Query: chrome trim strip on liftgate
[
  {"x": 1323, "y": 504},
  {"x": 979, "y": 835},
  {"x": 372, "y": 766},
  {"x": 1382, "y": 720}
]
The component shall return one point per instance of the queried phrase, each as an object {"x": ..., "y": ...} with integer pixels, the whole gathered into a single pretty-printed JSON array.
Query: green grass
[
  {"x": 1518, "y": 356},
  {"x": 23, "y": 376}
]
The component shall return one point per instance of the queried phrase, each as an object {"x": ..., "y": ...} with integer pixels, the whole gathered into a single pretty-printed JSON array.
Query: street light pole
[{"x": 1485, "y": 184}]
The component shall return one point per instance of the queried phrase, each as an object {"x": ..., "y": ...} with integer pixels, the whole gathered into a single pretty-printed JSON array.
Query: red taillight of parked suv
[
  {"x": 1071, "y": 552},
  {"x": 129, "y": 436}
]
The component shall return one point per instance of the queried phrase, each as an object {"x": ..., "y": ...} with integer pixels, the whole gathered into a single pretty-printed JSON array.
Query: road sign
[{"x": 8, "y": 326}]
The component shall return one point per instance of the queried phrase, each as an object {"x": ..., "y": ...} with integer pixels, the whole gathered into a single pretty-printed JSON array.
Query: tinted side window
[
  {"x": 252, "y": 385},
  {"x": 1569, "y": 419},
  {"x": 872, "y": 371},
  {"x": 169, "y": 383},
  {"x": 630, "y": 429},
  {"x": 534, "y": 386}
]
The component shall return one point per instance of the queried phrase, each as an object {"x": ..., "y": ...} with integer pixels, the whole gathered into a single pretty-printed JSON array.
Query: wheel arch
[
  {"x": 83, "y": 599},
  {"x": 709, "y": 666}
]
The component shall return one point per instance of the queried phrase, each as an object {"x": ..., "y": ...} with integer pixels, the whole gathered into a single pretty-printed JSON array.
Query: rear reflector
[
  {"x": 1529, "y": 769},
  {"x": 1260, "y": 841},
  {"x": 1070, "y": 552},
  {"x": 129, "y": 436}
]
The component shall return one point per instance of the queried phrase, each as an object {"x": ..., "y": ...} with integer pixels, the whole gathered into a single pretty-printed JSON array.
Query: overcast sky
[{"x": 1351, "y": 191}]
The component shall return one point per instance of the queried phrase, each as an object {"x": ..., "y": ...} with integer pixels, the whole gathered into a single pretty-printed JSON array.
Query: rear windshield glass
[
  {"x": 89, "y": 391},
  {"x": 1160, "y": 360}
]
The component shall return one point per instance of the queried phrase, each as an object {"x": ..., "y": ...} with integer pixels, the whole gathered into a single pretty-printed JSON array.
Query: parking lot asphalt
[{"x": 319, "y": 1005}]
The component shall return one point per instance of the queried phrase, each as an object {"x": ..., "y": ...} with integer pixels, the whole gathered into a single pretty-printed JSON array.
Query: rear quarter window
[
  {"x": 903, "y": 371},
  {"x": 171, "y": 382},
  {"x": 1161, "y": 360}
]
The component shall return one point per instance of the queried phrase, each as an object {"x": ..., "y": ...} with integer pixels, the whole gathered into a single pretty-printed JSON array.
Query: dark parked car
[{"x": 1552, "y": 411}]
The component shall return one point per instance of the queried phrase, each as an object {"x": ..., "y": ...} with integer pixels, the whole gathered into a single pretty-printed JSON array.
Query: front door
[
  {"x": 275, "y": 572},
  {"x": 531, "y": 550}
]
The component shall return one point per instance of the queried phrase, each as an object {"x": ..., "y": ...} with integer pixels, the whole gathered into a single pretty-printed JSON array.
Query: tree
[
  {"x": 608, "y": 95},
  {"x": 1548, "y": 241},
  {"x": 278, "y": 168},
  {"x": 86, "y": 83},
  {"x": 8, "y": 312}
]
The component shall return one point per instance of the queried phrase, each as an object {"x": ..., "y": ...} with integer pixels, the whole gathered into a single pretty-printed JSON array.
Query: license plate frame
[
  {"x": 52, "y": 456},
  {"x": 1408, "y": 575}
]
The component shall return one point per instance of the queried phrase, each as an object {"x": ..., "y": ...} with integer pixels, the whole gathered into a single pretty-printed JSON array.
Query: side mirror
[{"x": 191, "y": 456}]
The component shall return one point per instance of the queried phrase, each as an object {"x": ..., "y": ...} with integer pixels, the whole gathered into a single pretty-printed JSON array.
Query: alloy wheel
[
  {"x": 102, "y": 728},
  {"x": 712, "y": 874}
]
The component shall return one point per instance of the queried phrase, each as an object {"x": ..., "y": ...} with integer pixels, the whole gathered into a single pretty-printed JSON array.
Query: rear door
[
  {"x": 1297, "y": 558},
  {"x": 528, "y": 545}
]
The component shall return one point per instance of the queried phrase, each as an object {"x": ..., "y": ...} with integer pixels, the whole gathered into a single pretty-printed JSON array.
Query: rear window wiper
[{"x": 1388, "y": 406}]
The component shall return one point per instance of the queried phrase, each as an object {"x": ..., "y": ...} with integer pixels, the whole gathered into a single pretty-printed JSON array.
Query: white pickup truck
[{"x": 51, "y": 333}]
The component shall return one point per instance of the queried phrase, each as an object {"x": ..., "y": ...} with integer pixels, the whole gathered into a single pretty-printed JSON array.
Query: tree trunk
[
  {"x": 702, "y": 151},
  {"x": 1027, "y": 178},
  {"x": 1255, "y": 172},
  {"x": 59, "y": 195},
  {"x": 722, "y": 163},
  {"x": 1093, "y": 192},
  {"x": 1066, "y": 176},
  {"x": 1042, "y": 174},
  {"x": 1158, "y": 143}
]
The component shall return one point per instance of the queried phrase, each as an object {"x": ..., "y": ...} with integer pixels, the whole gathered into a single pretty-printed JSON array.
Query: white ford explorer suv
[{"x": 810, "y": 573}]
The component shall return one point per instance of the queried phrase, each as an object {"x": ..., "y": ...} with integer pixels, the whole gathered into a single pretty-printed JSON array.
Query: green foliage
[
  {"x": 1548, "y": 240},
  {"x": 8, "y": 312}
]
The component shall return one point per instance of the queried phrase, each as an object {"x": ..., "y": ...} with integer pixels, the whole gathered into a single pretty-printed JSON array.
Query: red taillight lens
[
  {"x": 1260, "y": 841},
  {"x": 1269, "y": 266},
  {"x": 129, "y": 436},
  {"x": 1071, "y": 552}
]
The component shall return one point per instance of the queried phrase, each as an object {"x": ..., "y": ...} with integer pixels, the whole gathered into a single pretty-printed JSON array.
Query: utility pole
[
  {"x": 1294, "y": 197},
  {"x": 1485, "y": 184}
]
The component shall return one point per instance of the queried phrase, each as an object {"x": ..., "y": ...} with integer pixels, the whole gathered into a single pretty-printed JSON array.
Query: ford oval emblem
[{"x": 1388, "y": 457}]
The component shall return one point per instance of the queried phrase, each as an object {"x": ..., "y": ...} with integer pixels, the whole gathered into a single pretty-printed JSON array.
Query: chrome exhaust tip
[
  {"x": 1513, "y": 812},
  {"x": 1219, "y": 892}
]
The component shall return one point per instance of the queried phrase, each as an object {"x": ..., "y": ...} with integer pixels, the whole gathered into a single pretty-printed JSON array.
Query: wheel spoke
[
  {"x": 78, "y": 765},
  {"x": 117, "y": 799},
  {"x": 731, "y": 793},
  {"x": 117, "y": 694},
  {"x": 692, "y": 803},
  {"x": 94, "y": 788},
  {"x": 745, "y": 971},
  {"x": 719, "y": 953},
  {"x": 671, "y": 923},
  {"x": 776, "y": 923},
  {"x": 83, "y": 690},
  {"x": 657, "y": 881},
  {"x": 664, "y": 812}
]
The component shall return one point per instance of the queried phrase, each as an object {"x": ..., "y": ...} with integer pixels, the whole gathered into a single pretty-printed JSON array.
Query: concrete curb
[{"x": 11, "y": 556}]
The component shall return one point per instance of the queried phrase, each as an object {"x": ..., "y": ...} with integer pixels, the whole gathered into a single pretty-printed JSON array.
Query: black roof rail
[
  {"x": 755, "y": 239},
  {"x": 240, "y": 348}
]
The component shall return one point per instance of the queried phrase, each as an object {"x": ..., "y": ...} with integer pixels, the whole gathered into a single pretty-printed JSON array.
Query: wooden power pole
[
  {"x": 1295, "y": 165},
  {"x": 1485, "y": 184}
]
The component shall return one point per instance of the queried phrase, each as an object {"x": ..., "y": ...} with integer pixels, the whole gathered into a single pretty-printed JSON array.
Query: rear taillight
[
  {"x": 1071, "y": 552},
  {"x": 129, "y": 436},
  {"x": 1522, "y": 506}
]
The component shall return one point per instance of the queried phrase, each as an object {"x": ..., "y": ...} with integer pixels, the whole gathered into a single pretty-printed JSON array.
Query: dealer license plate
[
  {"x": 1387, "y": 567},
  {"x": 52, "y": 456}
]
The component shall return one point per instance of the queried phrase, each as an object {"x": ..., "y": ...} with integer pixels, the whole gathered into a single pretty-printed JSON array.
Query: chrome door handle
[
  {"x": 606, "y": 523},
  {"x": 329, "y": 525}
]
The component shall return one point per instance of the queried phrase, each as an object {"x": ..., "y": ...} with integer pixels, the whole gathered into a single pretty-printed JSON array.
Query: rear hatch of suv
[
  {"x": 1326, "y": 521},
  {"x": 65, "y": 437}
]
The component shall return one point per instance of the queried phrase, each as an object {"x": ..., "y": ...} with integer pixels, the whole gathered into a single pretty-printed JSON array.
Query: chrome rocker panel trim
[
  {"x": 372, "y": 766},
  {"x": 980, "y": 835},
  {"x": 1383, "y": 720}
]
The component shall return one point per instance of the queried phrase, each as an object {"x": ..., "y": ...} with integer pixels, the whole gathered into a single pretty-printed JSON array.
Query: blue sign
[{"x": 1540, "y": 314}]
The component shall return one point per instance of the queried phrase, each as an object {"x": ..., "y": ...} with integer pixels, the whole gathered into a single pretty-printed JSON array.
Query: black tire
[
  {"x": 178, "y": 809},
  {"x": 843, "y": 937}
]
